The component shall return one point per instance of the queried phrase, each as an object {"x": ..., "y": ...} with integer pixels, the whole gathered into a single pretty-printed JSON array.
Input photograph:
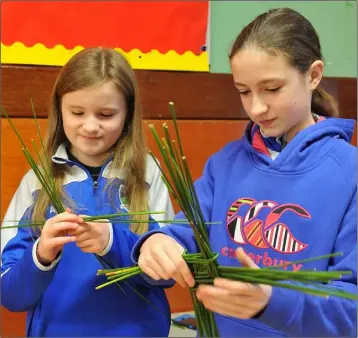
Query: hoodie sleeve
[
  {"x": 122, "y": 241},
  {"x": 298, "y": 314},
  {"x": 23, "y": 277},
  {"x": 183, "y": 233}
]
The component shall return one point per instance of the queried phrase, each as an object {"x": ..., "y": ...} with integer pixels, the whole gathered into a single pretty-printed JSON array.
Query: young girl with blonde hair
[{"x": 100, "y": 164}]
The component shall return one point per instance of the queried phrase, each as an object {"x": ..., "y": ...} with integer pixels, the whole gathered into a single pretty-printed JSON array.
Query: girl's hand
[
  {"x": 233, "y": 298},
  {"x": 55, "y": 234},
  {"x": 161, "y": 258},
  {"x": 93, "y": 237}
]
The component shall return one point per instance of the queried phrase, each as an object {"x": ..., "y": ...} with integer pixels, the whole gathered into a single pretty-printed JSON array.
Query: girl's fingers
[
  {"x": 64, "y": 217},
  {"x": 209, "y": 292},
  {"x": 152, "y": 267},
  {"x": 245, "y": 260},
  {"x": 84, "y": 244},
  {"x": 62, "y": 226},
  {"x": 151, "y": 273},
  {"x": 181, "y": 271},
  {"x": 81, "y": 229},
  {"x": 82, "y": 235},
  {"x": 60, "y": 241},
  {"x": 82, "y": 218},
  {"x": 227, "y": 309},
  {"x": 163, "y": 264},
  {"x": 237, "y": 287}
]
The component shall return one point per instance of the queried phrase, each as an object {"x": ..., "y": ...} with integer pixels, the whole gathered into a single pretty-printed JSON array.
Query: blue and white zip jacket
[{"x": 61, "y": 299}]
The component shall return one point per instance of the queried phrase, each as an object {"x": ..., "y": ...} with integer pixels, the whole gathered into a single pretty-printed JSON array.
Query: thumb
[{"x": 245, "y": 260}]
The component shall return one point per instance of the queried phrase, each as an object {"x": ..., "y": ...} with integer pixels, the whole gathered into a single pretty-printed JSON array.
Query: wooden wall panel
[
  {"x": 13, "y": 324},
  {"x": 196, "y": 95}
]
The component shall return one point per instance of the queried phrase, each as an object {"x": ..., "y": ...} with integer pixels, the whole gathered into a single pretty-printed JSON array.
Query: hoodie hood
[{"x": 309, "y": 147}]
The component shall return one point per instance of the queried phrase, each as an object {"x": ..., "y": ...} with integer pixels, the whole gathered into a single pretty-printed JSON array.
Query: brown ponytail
[{"x": 324, "y": 103}]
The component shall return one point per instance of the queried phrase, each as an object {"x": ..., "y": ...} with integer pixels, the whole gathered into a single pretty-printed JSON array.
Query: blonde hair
[{"x": 88, "y": 67}]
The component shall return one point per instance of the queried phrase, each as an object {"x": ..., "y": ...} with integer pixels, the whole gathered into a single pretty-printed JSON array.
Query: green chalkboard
[{"x": 335, "y": 22}]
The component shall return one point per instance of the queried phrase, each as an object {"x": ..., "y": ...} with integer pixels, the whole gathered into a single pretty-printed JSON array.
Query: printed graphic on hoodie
[{"x": 248, "y": 228}]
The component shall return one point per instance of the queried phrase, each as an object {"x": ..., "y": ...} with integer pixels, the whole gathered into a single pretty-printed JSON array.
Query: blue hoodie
[
  {"x": 61, "y": 299},
  {"x": 299, "y": 205}
]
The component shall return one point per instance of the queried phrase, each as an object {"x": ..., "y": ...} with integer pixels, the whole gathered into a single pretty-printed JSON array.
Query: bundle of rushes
[{"x": 203, "y": 265}]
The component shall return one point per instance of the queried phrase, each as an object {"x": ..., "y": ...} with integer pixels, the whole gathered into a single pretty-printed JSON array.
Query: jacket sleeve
[
  {"x": 122, "y": 240},
  {"x": 299, "y": 314},
  {"x": 23, "y": 277}
]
